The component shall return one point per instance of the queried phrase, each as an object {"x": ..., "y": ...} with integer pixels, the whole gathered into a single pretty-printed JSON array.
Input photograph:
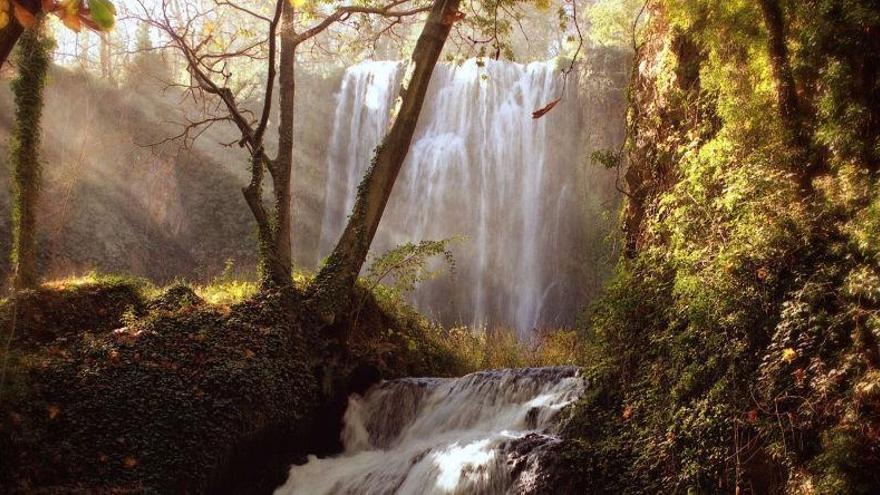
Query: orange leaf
[
  {"x": 73, "y": 23},
  {"x": 537, "y": 114},
  {"x": 24, "y": 16},
  {"x": 54, "y": 411},
  {"x": 129, "y": 462}
]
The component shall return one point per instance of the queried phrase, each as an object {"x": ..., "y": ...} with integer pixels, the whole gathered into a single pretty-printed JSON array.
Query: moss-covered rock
[
  {"x": 112, "y": 392},
  {"x": 69, "y": 308},
  {"x": 160, "y": 405}
]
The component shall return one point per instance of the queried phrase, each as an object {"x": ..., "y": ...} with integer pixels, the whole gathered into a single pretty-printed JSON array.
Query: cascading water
[
  {"x": 480, "y": 166},
  {"x": 479, "y": 434}
]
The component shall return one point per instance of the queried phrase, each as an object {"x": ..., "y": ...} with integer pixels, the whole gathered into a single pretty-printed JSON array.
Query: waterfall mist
[{"x": 479, "y": 166}]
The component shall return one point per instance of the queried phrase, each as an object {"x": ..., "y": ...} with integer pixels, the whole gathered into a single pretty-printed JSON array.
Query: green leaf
[{"x": 103, "y": 13}]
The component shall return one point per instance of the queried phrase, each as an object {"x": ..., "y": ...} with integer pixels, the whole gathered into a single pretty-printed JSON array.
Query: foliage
[
  {"x": 408, "y": 264},
  {"x": 617, "y": 23},
  {"x": 99, "y": 15},
  {"x": 97, "y": 401},
  {"x": 733, "y": 347},
  {"x": 226, "y": 289}
]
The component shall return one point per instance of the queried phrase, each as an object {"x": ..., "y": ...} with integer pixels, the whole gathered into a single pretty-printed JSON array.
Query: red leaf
[
  {"x": 24, "y": 16},
  {"x": 537, "y": 114}
]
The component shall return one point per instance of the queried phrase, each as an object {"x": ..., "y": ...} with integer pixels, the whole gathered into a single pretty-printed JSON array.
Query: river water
[{"x": 479, "y": 434}]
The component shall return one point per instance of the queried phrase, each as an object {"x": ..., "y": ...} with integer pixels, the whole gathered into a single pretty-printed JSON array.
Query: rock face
[{"x": 488, "y": 432}]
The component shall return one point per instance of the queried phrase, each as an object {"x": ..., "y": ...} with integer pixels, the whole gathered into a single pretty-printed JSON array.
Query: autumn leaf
[
  {"x": 4, "y": 13},
  {"x": 54, "y": 411},
  {"x": 129, "y": 462},
  {"x": 537, "y": 114},
  {"x": 789, "y": 354},
  {"x": 72, "y": 21},
  {"x": 23, "y": 16},
  {"x": 627, "y": 412}
]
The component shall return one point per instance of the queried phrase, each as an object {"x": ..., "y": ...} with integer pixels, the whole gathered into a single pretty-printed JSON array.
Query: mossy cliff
[
  {"x": 736, "y": 349},
  {"x": 108, "y": 390}
]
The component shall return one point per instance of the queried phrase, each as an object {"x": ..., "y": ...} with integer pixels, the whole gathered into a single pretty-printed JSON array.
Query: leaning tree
[{"x": 330, "y": 294}]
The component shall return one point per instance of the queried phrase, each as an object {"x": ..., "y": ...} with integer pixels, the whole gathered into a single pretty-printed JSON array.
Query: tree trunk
[
  {"x": 283, "y": 164},
  {"x": 106, "y": 58},
  {"x": 27, "y": 87},
  {"x": 790, "y": 109},
  {"x": 330, "y": 293},
  {"x": 272, "y": 272}
]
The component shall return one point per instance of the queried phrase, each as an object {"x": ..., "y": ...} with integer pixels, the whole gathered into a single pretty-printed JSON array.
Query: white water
[
  {"x": 443, "y": 436},
  {"x": 479, "y": 166}
]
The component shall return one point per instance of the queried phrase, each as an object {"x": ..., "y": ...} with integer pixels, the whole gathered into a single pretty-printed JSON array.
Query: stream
[{"x": 479, "y": 434}]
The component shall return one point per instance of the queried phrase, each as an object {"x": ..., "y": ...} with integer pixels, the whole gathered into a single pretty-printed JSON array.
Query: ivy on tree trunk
[
  {"x": 330, "y": 293},
  {"x": 33, "y": 62}
]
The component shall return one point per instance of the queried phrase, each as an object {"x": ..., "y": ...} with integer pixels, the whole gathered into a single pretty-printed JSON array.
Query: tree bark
[
  {"x": 27, "y": 87},
  {"x": 106, "y": 58},
  {"x": 274, "y": 266},
  {"x": 789, "y": 106},
  {"x": 330, "y": 293},
  {"x": 283, "y": 164}
]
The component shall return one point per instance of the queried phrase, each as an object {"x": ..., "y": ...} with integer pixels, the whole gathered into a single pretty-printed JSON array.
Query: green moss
[
  {"x": 33, "y": 59},
  {"x": 730, "y": 350}
]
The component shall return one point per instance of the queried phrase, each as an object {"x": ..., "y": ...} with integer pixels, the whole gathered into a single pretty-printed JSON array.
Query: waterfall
[
  {"x": 479, "y": 166},
  {"x": 479, "y": 434}
]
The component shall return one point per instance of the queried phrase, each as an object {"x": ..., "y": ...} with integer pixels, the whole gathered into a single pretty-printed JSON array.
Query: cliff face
[
  {"x": 736, "y": 349},
  {"x": 664, "y": 90},
  {"x": 112, "y": 202}
]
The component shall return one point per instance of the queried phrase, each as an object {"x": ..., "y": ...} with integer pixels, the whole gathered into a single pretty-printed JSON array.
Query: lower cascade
[{"x": 479, "y": 434}]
